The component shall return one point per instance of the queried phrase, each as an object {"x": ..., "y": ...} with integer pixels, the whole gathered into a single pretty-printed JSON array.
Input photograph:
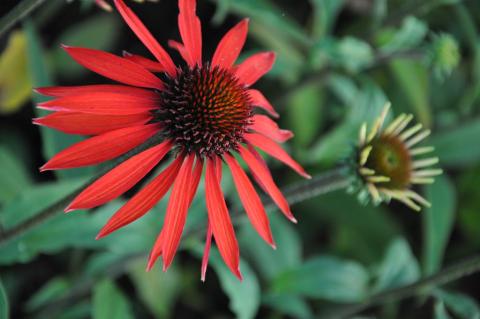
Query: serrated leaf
[
  {"x": 325, "y": 277},
  {"x": 398, "y": 268},
  {"x": 109, "y": 302},
  {"x": 438, "y": 222}
]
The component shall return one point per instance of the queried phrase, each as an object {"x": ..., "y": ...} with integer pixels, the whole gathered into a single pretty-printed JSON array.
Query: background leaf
[{"x": 109, "y": 302}]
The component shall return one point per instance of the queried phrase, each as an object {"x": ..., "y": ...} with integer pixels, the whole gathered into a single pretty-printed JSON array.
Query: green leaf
[
  {"x": 398, "y": 268},
  {"x": 438, "y": 222},
  {"x": 440, "y": 312},
  {"x": 412, "y": 79},
  {"x": 288, "y": 304},
  {"x": 304, "y": 112},
  {"x": 55, "y": 288},
  {"x": 244, "y": 295},
  {"x": 272, "y": 262},
  {"x": 99, "y": 32},
  {"x": 13, "y": 176},
  {"x": 158, "y": 290},
  {"x": 34, "y": 199},
  {"x": 325, "y": 14},
  {"x": 109, "y": 302},
  {"x": 453, "y": 153},
  {"x": 325, "y": 277},
  {"x": 53, "y": 141},
  {"x": 265, "y": 12},
  {"x": 4, "y": 306},
  {"x": 337, "y": 143},
  {"x": 459, "y": 304},
  {"x": 411, "y": 34}
]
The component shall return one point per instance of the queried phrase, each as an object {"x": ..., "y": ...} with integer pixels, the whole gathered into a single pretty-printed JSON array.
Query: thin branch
[
  {"x": 459, "y": 270},
  {"x": 55, "y": 208},
  {"x": 19, "y": 12}
]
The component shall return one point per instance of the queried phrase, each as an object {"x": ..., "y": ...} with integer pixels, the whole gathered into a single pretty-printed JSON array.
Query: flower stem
[
  {"x": 20, "y": 11},
  {"x": 459, "y": 270},
  {"x": 57, "y": 207}
]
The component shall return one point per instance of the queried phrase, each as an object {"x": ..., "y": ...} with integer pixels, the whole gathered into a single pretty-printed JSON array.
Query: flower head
[
  {"x": 387, "y": 161},
  {"x": 204, "y": 114}
]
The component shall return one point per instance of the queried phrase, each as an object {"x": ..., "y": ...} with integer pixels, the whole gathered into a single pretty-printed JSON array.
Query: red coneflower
[{"x": 204, "y": 113}]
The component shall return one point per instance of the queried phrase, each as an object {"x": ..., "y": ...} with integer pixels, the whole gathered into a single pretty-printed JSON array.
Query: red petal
[
  {"x": 191, "y": 31},
  {"x": 104, "y": 5},
  {"x": 158, "y": 247},
  {"x": 58, "y": 91},
  {"x": 120, "y": 179},
  {"x": 180, "y": 48},
  {"x": 274, "y": 150},
  {"x": 144, "y": 200},
  {"x": 146, "y": 37},
  {"x": 104, "y": 103},
  {"x": 265, "y": 126},
  {"x": 259, "y": 100},
  {"x": 114, "y": 67},
  {"x": 254, "y": 67},
  {"x": 90, "y": 124},
  {"x": 148, "y": 64},
  {"x": 206, "y": 252},
  {"x": 230, "y": 46},
  {"x": 220, "y": 220},
  {"x": 101, "y": 148},
  {"x": 177, "y": 211},
  {"x": 157, "y": 250},
  {"x": 262, "y": 173},
  {"x": 250, "y": 200}
]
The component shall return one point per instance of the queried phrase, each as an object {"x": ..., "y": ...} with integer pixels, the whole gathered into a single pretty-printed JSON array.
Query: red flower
[{"x": 204, "y": 112}]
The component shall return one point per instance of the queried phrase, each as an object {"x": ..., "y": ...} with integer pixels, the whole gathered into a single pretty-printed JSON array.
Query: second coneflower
[
  {"x": 389, "y": 161},
  {"x": 204, "y": 112}
]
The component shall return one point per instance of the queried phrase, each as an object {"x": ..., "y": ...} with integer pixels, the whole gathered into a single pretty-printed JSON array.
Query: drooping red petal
[
  {"x": 148, "y": 64},
  {"x": 103, "y": 4},
  {"x": 254, "y": 67},
  {"x": 250, "y": 200},
  {"x": 262, "y": 173},
  {"x": 220, "y": 220},
  {"x": 101, "y": 148},
  {"x": 266, "y": 126},
  {"x": 230, "y": 46},
  {"x": 274, "y": 150},
  {"x": 59, "y": 91},
  {"x": 177, "y": 211},
  {"x": 120, "y": 179},
  {"x": 104, "y": 103},
  {"x": 190, "y": 31},
  {"x": 114, "y": 67},
  {"x": 259, "y": 100},
  {"x": 180, "y": 48},
  {"x": 144, "y": 200},
  {"x": 206, "y": 252},
  {"x": 90, "y": 124},
  {"x": 146, "y": 37},
  {"x": 157, "y": 250}
]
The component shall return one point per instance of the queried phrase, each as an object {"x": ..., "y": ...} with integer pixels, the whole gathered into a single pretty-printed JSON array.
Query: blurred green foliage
[{"x": 338, "y": 62}]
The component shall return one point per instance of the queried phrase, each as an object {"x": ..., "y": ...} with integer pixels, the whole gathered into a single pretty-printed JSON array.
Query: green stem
[
  {"x": 20, "y": 11},
  {"x": 449, "y": 274},
  {"x": 52, "y": 210}
]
